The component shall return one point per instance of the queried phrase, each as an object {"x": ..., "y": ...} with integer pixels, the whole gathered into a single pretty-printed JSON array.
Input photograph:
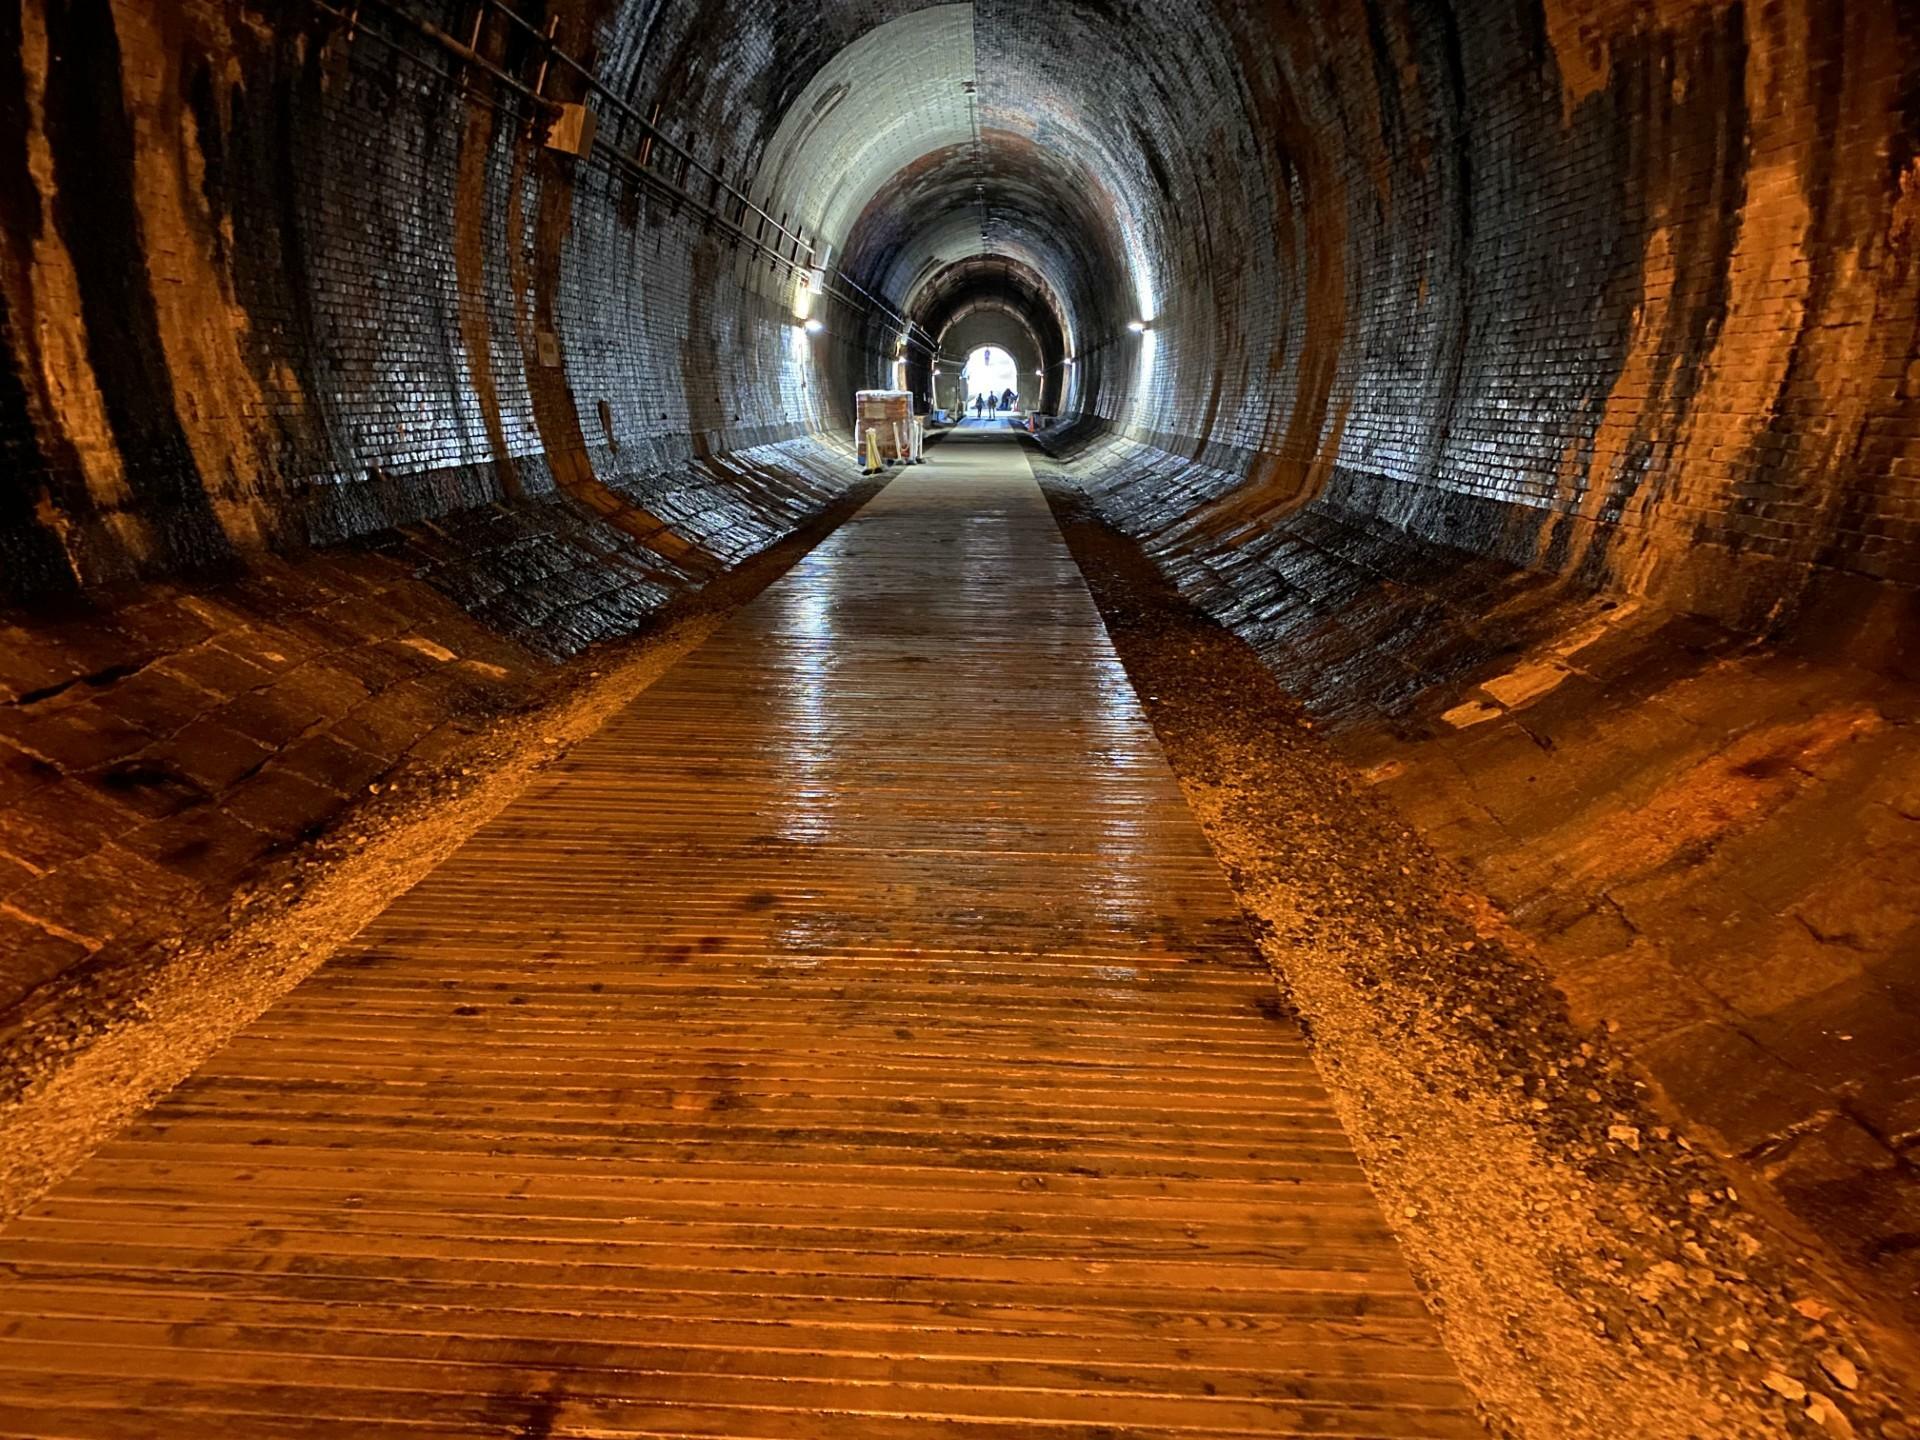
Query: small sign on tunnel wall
[{"x": 573, "y": 130}]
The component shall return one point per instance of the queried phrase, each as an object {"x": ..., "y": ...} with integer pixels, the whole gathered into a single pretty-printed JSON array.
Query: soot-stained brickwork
[
  {"x": 336, "y": 409},
  {"x": 1460, "y": 315},
  {"x": 1622, "y": 292},
  {"x": 272, "y": 286}
]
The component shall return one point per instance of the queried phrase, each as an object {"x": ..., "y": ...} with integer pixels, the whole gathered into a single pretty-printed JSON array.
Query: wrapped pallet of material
[{"x": 888, "y": 416}]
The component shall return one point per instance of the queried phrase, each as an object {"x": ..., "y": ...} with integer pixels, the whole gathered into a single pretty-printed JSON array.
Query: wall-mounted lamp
[
  {"x": 1041, "y": 373},
  {"x": 1137, "y": 326},
  {"x": 813, "y": 327}
]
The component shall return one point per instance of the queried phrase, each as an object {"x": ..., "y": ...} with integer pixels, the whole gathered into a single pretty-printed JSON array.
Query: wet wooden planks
[{"x": 855, "y": 1039}]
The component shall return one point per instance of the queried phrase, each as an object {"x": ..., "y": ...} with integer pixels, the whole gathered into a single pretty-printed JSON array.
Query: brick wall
[
  {"x": 1558, "y": 328},
  {"x": 1623, "y": 292},
  {"x": 334, "y": 411},
  {"x": 265, "y": 288}
]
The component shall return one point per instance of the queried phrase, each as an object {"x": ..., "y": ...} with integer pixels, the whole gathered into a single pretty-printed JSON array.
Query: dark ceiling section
[
  {"x": 950, "y": 292},
  {"x": 991, "y": 284},
  {"x": 902, "y": 138},
  {"x": 1042, "y": 226},
  {"x": 1012, "y": 225}
]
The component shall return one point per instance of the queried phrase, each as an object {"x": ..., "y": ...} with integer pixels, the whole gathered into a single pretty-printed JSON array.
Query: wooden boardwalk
[{"x": 855, "y": 1039}]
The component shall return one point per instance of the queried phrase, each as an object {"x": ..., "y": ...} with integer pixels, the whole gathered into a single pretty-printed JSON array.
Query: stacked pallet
[{"x": 887, "y": 417}]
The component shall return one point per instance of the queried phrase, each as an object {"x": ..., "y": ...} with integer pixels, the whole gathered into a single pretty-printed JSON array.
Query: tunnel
[{"x": 1348, "y": 865}]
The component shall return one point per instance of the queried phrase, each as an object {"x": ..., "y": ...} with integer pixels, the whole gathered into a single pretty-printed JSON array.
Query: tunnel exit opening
[{"x": 989, "y": 371}]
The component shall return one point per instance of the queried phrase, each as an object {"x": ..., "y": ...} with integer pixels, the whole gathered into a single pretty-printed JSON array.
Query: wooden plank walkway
[{"x": 856, "y": 1039}]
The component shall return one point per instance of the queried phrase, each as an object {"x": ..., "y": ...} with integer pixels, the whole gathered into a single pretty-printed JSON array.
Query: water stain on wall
[
  {"x": 201, "y": 327},
  {"x": 1309, "y": 200},
  {"x": 40, "y": 549},
  {"x": 473, "y": 197},
  {"x": 92, "y": 139},
  {"x": 55, "y": 350}
]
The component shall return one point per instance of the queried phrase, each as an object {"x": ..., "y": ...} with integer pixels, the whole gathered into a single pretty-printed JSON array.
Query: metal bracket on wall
[{"x": 573, "y": 130}]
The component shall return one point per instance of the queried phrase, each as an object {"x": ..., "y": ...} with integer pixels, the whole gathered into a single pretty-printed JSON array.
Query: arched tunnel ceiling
[
  {"x": 1036, "y": 209},
  {"x": 941, "y": 288},
  {"x": 901, "y": 91},
  {"x": 990, "y": 328},
  {"x": 995, "y": 285},
  {"x": 939, "y": 135},
  {"x": 902, "y": 138}
]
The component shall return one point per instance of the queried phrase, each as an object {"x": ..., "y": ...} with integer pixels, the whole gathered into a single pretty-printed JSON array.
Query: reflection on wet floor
[{"x": 854, "y": 1039}]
